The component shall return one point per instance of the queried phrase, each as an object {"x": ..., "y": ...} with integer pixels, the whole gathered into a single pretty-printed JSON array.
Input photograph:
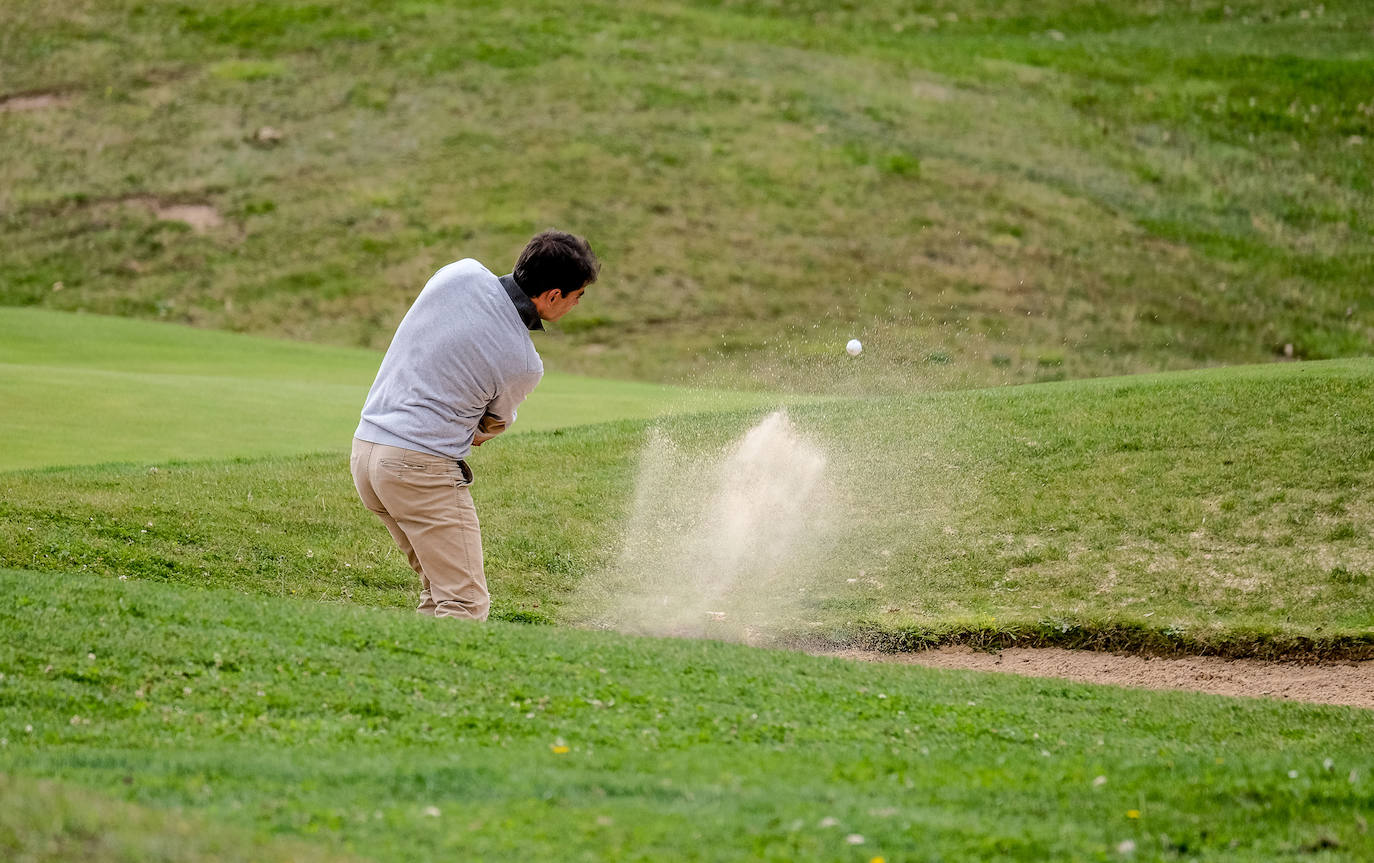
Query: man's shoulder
[{"x": 466, "y": 270}]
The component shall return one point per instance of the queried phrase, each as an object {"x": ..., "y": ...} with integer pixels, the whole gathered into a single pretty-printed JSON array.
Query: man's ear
[{"x": 543, "y": 302}]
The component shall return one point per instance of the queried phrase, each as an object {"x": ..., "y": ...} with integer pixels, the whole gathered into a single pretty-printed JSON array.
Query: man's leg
[
  {"x": 358, "y": 463},
  {"x": 428, "y": 498}
]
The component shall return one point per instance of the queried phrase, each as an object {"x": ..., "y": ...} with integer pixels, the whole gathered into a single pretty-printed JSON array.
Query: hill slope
[{"x": 983, "y": 192}]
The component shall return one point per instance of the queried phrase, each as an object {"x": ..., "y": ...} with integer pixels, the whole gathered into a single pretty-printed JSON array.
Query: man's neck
[{"x": 523, "y": 304}]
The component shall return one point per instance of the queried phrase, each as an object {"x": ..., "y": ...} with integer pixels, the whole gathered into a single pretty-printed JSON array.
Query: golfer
[{"x": 461, "y": 362}]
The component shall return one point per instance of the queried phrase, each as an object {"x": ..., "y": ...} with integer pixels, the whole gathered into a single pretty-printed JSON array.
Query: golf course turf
[
  {"x": 1222, "y": 511},
  {"x": 295, "y": 728},
  {"x": 1110, "y": 265},
  {"x": 379, "y": 733}
]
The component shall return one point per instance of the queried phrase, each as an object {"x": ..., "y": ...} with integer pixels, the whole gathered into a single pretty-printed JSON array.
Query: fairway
[{"x": 86, "y": 389}]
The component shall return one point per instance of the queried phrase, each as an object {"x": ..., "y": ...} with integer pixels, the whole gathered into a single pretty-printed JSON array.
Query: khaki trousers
[{"x": 425, "y": 504}]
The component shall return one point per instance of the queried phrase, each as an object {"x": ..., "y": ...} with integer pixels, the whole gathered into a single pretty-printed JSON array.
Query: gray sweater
[{"x": 460, "y": 363}]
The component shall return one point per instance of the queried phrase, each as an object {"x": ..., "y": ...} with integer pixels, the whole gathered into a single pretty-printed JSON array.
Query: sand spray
[{"x": 717, "y": 543}]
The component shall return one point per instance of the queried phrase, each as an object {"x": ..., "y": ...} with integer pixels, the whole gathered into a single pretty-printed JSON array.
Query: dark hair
[{"x": 555, "y": 260}]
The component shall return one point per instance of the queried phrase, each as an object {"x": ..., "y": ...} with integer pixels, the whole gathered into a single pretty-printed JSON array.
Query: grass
[
  {"x": 379, "y": 734},
  {"x": 48, "y": 822},
  {"x": 984, "y": 193},
  {"x": 86, "y": 389},
  {"x": 1224, "y": 511}
]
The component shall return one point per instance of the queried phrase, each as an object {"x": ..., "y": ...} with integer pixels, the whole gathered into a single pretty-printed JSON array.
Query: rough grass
[
  {"x": 1223, "y": 511},
  {"x": 52, "y": 822},
  {"x": 388, "y": 736},
  {"x": 983, "y": 192}
]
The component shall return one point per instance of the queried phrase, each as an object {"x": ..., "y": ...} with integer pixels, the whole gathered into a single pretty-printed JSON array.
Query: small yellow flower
[
  {"x": 560, "y": 750},
  {"x": 877, "y": 860},
  {"x": 1133, "y": 814}
]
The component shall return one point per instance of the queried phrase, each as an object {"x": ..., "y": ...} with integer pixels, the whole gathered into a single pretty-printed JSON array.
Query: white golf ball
[{"x": 854, "y": 348}]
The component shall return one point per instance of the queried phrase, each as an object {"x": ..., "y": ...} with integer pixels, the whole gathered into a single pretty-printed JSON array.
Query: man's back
[{"x": 461, "y": 352}]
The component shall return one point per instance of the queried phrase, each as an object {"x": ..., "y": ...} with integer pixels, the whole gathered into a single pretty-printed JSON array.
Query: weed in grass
[{"x": 1345, "y": 530}]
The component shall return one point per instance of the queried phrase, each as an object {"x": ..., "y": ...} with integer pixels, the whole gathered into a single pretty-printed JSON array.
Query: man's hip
[{"x": 383, "y": 462}]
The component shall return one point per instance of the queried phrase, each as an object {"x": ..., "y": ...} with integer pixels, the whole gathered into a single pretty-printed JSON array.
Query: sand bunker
[{"x": 1349, "y": 683}]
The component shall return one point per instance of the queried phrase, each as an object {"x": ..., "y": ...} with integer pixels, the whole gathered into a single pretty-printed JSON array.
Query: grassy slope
[
  {"x": 984, "y": 192},
  {"x": 1225, "y": 510},
  {"x": 85, "y": 389},
  {"x": 344, "y": 726}
]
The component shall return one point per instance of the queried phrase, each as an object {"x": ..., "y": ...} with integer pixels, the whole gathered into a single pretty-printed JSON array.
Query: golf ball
[{"x": 854, "y": 348}]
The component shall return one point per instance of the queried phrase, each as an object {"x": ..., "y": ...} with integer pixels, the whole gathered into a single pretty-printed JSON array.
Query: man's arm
[{"x": 500, "y": 413}]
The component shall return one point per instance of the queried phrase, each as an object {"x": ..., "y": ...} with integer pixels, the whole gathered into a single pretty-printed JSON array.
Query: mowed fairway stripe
[
  {"x": 86, "y": 389},
  {"x": 57, "y": 416},
  {"x": 404, "y": 738}
]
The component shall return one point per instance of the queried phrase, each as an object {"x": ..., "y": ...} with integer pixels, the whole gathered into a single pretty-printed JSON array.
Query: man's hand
[{"x": 488, "y": 427}]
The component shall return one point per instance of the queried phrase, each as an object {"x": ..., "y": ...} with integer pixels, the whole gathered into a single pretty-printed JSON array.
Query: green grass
[
  {"x": 983, "y": 192},
  {"x": 85, "y": 389},
  {"x": 1224, "y": 511},
  {"x": 380, "y": 734},
  {"x": 51, "y": 822}
]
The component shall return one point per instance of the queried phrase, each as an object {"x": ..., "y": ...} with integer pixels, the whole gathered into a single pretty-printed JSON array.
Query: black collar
[{"x": 523, "y": 304}]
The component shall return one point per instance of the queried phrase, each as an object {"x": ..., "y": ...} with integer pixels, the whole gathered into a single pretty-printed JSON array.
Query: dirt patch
[
  {"x": 201, "y": 218},
  {"x": 34, "y": 102},
  {"x": 1347, "y": 683}
]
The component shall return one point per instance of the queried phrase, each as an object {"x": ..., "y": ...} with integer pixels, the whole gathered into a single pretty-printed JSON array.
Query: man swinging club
[{"x": 461, "y": 362}]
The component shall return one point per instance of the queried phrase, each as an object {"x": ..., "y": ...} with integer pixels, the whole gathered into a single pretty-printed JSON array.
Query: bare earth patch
[
  {"x": 200, "y": 217},
  {"x": 34, "y": 102},
  {"x": 1347, "y": 683}
]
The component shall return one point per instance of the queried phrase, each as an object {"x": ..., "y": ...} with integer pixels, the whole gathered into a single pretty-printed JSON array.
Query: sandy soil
[{"x": 1349, "y": 683}]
